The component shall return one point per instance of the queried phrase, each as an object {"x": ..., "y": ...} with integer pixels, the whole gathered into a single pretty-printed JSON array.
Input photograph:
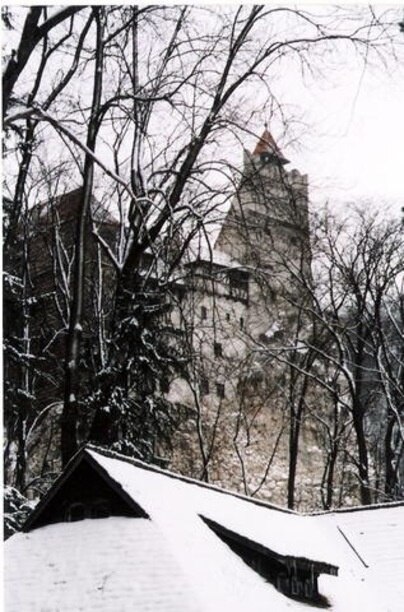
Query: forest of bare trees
[
  {"x": 135, "y": 109},
  {"x": 343, "y": 357}
]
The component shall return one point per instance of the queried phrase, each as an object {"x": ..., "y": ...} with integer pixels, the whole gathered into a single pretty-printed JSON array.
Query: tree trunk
[
  {"x": 69, "y": 415},
  {"x": 390, "y": 485},
  {"x": 363, "y": 467}
]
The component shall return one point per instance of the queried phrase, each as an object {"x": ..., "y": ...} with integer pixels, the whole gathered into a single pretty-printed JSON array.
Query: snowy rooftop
[{"x": 174, "y": 561}]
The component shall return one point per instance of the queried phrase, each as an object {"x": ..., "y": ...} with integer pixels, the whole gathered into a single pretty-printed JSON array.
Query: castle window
[
  {"x": 220, "y": 390},
  {"x": 204, "y": 313},
  {"x": 238, "y": 284},
  {"x": 164, "y": 385},
  {"x": 227, "y": 316},
  {"x": 217, "y": 349},
  {"x": 241, "y": 323},
  {"x": 238, "y": 278},
  {"x": 204, "y": 386}
]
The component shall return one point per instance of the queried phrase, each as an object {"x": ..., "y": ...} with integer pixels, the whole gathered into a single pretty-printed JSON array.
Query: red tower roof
[{"x": 266, "y": 144}]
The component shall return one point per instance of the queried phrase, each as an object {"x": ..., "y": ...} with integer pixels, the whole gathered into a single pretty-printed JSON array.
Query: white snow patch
[{"x": 275, "y": 327}]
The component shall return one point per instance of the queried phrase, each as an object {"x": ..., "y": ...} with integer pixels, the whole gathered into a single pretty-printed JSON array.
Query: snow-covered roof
[
  {"x": 376, "y": 536},
  {"x": 151, "y": 490},
  {"x": 175, "y": 561},
  {"x": 95, "y": 565}
]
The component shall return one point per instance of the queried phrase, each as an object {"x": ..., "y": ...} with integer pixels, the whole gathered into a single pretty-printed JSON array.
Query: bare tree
[
  {"x": 348, "y": 357},
  {"x": 69, "y": 420},
  {"x": 38, "y": 26},
  {"x": 165, "y": 92}
]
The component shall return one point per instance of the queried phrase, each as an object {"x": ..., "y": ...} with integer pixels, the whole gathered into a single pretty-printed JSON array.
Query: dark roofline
[
  {"x": 56, "y": 199},
  {"x": 60, "y": 480},
  {"x": 206, "y": 485},
  {"x": 378, "y": 506},
  {"x": 83, "y": 455},
  {"x": 211, "y": 262}
]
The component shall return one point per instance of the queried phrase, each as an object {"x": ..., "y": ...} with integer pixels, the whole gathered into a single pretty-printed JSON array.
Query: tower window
[
  {"x": 220, "y": 390},
  {"x": 238, "y": 279},
  {"x": 204, "y": 386},
  {"x": 238, "y": 284},
  {"x": 227, "y": 316},
  {"x": 204, "y": 313},
  {"x": 241, "y": 323},
  {"x": 217, "y": 349}
]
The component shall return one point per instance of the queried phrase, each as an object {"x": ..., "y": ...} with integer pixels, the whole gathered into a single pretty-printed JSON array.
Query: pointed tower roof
[{"x": 267, "y": 145}]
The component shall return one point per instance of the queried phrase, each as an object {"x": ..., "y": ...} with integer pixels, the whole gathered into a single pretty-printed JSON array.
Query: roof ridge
[
  {"x": 378, "y": 506},
  {"x": 206, "y": 485}
]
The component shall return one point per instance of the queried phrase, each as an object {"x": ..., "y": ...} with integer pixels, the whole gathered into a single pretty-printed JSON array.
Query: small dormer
[{"x": 294, "y": 577}]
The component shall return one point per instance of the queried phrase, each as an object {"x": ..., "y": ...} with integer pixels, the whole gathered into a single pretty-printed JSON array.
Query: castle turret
[{"x": 270, "y": 205}]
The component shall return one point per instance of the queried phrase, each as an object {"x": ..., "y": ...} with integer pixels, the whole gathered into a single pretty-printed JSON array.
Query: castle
[{"x": 238, "y": 300}]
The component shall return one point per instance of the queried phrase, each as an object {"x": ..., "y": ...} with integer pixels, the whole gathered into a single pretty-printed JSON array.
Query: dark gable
[{"x": 84, "y": 490}]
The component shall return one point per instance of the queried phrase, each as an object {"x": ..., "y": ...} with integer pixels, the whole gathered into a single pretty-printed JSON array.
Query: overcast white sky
[
  {"x": 350, "y": 141},
  {"x": 356, "y": 146}
]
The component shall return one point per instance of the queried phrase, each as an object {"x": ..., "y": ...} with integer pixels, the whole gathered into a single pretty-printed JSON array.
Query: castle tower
[
  {"x": 270, "y": 200},
  {"x": 267, "y": 231}
]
